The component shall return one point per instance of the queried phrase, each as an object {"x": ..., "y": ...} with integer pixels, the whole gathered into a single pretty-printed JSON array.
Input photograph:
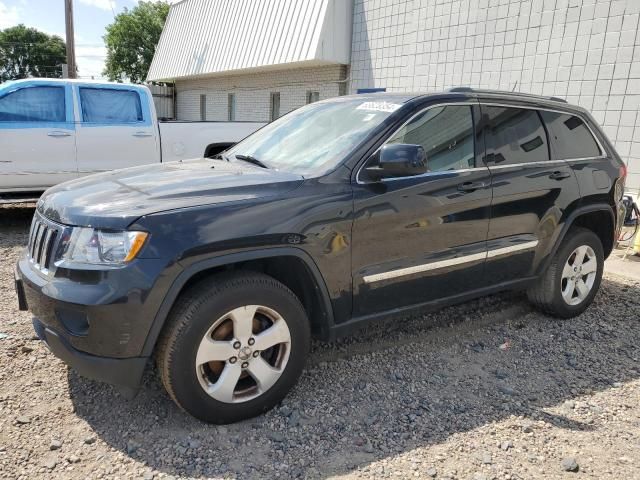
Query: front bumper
[
  {"x": 97, "y": 326},
  {"x": 125, "y": 373}
]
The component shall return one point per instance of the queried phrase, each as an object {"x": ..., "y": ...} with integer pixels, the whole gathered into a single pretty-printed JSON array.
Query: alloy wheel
[
  {"x": 243, "y": 353},
  {"x": 578, "y": 275}
]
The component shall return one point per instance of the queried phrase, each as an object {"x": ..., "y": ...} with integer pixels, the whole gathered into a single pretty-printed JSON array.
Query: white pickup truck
[{"x": 53, "y": 130}]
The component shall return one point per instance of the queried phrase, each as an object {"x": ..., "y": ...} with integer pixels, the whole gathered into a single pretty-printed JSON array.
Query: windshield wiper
[{"x": 253, "y": 160}]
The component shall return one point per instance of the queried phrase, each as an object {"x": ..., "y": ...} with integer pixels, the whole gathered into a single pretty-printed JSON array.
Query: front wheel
[
  {"x": 233, "y": 347},
  {"x": 572, "y": 280}
]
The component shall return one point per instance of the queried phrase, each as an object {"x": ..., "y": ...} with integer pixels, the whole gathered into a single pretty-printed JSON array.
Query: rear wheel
[
  {"x": 572, "y": 280},
  {"x": 233, "y": 347}
]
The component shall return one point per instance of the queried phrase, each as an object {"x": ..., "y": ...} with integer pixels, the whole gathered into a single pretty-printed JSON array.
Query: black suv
[{"x": 331, "y": 217}]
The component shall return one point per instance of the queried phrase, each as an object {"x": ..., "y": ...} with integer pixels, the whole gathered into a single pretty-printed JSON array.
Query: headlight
[{"x": 100, "y": 247}]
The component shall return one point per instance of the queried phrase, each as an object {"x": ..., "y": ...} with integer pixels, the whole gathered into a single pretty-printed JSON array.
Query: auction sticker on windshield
[{"x": 379, "y": 106}]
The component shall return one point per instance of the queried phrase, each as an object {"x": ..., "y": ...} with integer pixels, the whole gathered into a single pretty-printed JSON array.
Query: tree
[
  {"x": 27, "y": 52},
  {"x": 131, "y": 41}
]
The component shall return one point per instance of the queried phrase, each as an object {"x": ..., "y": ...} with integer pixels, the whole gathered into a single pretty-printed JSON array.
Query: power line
[{"x": 40, "y": 43}]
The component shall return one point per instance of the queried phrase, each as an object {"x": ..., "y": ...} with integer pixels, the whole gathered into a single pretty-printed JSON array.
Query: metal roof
[{"x": 214, "y": 37}]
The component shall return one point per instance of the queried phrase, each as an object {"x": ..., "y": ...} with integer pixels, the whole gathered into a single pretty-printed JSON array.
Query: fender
[
  {"x": 561, "y": 232},
  {"x": 219, "y": 261}
]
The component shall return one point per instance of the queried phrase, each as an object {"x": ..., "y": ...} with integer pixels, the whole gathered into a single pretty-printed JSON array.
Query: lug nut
[
  {"x": 256, "y": 353},
  {"x": 233, "y": 360},
  {"x": 252, "y": 341},
  {"x": 245, "y": 364},
  {"x": 237, "y": 345}
]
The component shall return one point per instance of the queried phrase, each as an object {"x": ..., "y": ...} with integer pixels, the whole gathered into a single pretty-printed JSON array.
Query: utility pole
[{"x": 71, "y": 49}]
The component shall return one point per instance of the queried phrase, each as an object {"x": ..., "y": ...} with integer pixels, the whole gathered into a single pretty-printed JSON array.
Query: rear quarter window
[
  {"x": 105, "y": 105},
  {"x": 569, "y": 136}
]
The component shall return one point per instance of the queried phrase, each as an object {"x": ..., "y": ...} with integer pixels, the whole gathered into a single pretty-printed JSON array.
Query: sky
[{"x": 90, "y": 19}]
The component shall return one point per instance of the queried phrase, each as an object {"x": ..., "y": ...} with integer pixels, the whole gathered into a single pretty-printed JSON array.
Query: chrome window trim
[
  {"x": 425, "y": 267},
  {"x": 427, "y": 174},
  {"x": 528, "y": 164}
]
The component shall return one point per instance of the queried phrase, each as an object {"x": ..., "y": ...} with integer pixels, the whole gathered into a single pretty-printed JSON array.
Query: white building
[{"x": 255, "y": 60}]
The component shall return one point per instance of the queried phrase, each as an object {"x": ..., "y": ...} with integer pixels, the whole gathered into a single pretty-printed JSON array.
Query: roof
[
  {"x": 215, "y": 37},
  {"x": 36, "y": 80},
  {"x": 461, "y": 93}
]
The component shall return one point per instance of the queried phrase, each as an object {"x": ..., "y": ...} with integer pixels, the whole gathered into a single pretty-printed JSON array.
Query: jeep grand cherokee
[{"x": 337, "y": 214}]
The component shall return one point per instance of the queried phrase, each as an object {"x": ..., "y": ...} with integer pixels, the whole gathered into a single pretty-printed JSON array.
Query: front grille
[{"x": 42, "y": 240}]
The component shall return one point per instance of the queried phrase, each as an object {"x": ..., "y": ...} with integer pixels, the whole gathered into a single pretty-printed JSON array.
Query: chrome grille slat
[
  {"x": 42, "y": 257},
  {"x": 42, "y": 239},
  {"x": 34, "y": 243},
  {"x": 39, "y": 238},
  {"x": 49, "y": 253},
  {"x": 33, "y": 226}
]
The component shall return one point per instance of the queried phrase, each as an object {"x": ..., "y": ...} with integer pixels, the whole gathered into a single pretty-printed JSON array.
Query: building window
[
  {"x": 312, "y": 96},
  {"x": 275, "y": 105},
  {"x": 231, "y": 100},
  {"x": 203, "y": 107}
]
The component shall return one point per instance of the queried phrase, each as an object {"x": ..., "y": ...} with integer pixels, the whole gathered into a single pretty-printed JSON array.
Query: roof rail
[{"x": 503, "y": 92}]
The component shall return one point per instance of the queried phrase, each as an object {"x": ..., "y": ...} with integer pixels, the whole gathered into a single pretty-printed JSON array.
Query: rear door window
[
  {"x": 570, "y": 137},
  {"x": 445, "y": 133},
  {"x": 514, "y": 136},
  {"x": 33, "y": 104},
  {"x": 110, "y": 106}
]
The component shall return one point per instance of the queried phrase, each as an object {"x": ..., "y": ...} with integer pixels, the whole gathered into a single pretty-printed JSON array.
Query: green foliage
[
  {"x": 27, "y": 52},
  {"x": 131, "y": 41}
]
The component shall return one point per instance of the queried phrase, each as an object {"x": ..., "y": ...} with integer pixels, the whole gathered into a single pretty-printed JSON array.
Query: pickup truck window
[
  {"x": 33, "y": 104},
  {"x": 445, "y": 133},
  {"x": 108, "y": 105},
  {"x": 314, "y": 138}
]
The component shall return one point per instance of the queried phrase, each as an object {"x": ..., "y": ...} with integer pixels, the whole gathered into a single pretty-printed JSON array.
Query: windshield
[{"x": 316, "y": 137}]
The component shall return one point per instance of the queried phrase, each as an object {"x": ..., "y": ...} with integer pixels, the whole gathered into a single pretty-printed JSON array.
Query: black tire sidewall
[
  {"x": 186, "y": 387},
  {"x": 577, "y": 238}
]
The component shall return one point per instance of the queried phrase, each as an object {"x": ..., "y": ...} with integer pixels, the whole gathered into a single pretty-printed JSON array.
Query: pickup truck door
[
  {"x": 37, "y": 136},
  {"x": 423, "y": 238},
  {"x": 115, "y": 128}
]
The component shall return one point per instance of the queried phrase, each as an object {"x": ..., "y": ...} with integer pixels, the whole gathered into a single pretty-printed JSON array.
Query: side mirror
[{"x": 398, "y": 160}]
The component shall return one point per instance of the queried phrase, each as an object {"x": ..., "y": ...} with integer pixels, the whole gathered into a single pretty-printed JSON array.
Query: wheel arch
[
  {"x": 597, "y": 217},
  {"x": 291, "y": 266}
]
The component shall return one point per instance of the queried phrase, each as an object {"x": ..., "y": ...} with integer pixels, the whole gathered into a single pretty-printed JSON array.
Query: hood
[{"x": 115, "y": 199}]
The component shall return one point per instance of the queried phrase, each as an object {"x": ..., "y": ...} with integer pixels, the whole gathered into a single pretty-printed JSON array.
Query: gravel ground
[{"x": 491, "y": 389}]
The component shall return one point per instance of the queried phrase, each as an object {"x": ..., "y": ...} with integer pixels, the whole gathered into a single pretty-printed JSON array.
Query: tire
[
  {"x": 208, "y": 322},
  {"x": 547, "y": 292}
]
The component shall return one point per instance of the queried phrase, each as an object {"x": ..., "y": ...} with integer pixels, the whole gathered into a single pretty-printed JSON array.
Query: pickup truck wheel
[
  {"x": 572, "y": 280},
  {"x": 234, "y": 345}
]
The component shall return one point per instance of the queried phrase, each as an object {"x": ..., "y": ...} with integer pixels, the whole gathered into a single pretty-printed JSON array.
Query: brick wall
[
  {"x": 253, "y": 92},
  {"x": 587, "y": 51}
]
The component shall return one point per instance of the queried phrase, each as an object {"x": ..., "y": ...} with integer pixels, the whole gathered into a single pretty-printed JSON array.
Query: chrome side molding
[{"x": 425, "y": 267}]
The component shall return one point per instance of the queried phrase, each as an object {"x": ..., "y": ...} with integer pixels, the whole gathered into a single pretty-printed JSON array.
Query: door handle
[
  {"x": 142, "y": 134},
  {"x": 58, "y": 133},
  {"x": 558, "y": 175},
  {"x": 471, "y": 186}
]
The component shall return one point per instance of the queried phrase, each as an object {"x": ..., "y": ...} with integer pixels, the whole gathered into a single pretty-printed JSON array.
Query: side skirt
[{"x": 358, "y": 323}]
